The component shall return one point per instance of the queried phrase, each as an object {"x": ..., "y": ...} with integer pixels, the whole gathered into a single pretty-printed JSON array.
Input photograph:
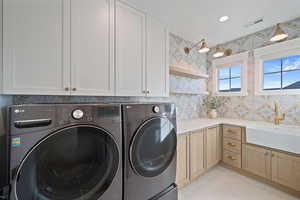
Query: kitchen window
[
  {"x": 282, "y": 73},
  {"x": 229, "y": 79},
  {"x": 277, "y": 69},
  {"x": 230, "y": 75}
]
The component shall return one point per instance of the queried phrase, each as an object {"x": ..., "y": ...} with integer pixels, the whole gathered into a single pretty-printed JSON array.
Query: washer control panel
[{"x": 77, "y": 114}]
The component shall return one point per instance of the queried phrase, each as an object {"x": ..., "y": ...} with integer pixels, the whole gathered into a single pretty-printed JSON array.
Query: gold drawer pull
[
  {"x": 231, "y": 158},
  {"x": 231, "y": 144},
  {"x": 231, "y": 131}
]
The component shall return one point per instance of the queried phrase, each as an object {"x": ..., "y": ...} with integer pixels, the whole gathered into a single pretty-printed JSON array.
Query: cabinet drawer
[
  {"x": 232, "y": 145},
  {"x": 233, "y": 159},
  {"x": 233, "y": 132}
]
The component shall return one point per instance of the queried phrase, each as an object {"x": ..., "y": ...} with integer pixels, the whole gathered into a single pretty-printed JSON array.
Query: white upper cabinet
[
  {"x": 130, "y": 50},
  {"x": 157, "y": 68},
  {"x": 82, "y": 47},
  {"x": 92, "y": 45},
  {"x": 34, "y": 47}
]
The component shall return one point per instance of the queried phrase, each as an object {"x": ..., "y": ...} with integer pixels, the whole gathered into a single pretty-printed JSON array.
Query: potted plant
[{"x": 212, "y": 104}]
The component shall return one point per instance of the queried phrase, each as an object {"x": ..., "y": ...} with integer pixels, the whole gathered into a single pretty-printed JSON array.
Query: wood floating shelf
[
  {"x": 188, "y": 92},
  {"x": 187, "y": 72}
]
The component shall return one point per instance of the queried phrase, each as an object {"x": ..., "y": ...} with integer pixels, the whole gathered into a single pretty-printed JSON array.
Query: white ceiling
[{"x": 197, "y": 19}]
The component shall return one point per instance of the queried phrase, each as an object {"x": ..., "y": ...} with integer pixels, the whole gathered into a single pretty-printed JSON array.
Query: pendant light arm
[
  {"x": 187, "y": 50},
  {"x": 195, "y": 45}
]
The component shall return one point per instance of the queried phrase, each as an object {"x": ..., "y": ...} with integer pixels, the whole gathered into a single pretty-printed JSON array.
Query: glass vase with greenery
[{"x": 212, "y": 103}]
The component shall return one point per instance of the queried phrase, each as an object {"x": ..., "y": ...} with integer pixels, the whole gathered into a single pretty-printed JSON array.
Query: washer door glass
[
  {"x": 153, "y": 147},
  {"x": 75, "y": 163}
]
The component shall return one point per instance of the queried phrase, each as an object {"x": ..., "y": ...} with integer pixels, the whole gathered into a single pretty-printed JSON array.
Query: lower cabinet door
[
  {"x": 197, "y": 165},
  {"x": 257, "y": 161},
  {"x": 213, "y": 147},
  {"x": 182, "y": 175},
  {"x": 286, "y": 170}
]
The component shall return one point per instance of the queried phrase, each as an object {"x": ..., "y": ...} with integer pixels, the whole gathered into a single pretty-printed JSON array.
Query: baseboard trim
[{"x": 183, "y": 185}]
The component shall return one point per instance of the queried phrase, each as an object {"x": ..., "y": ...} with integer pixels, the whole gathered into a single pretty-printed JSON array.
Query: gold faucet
[{"x": 278, "y": 115}]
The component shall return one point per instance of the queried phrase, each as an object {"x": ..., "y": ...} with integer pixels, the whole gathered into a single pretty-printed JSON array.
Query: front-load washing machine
[
  {"x": 149, "y": 151},
  {"x": 65, "y": 152}
]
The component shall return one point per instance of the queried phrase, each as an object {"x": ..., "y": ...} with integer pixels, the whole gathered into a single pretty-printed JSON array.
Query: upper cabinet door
[
  {"x": 35, "y": 47},
  {"x": 130, "y": 50},
  {"x": 92, "y": 45},
  {"x": 157, "y": 69}
]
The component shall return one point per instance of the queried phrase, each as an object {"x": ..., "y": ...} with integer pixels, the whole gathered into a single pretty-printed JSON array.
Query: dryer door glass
[
  {"x": 153, "y": 147},
  {"x": 79, "y": 162}
]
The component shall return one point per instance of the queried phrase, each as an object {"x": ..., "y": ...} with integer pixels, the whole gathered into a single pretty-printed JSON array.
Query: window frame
[
  {"x": 231, "y": 61},
  {"x": 275, "y": 51}
]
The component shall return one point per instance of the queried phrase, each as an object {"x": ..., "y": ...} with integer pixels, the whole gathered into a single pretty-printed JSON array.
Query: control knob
[{"x": 77, "y": 114}]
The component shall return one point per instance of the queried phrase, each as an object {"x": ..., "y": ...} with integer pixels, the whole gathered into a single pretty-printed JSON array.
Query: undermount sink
[{"x": 285, "y": 138}]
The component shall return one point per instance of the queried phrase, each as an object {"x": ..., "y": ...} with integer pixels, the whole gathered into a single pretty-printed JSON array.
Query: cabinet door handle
[
  {"x": 148, "y": 92},
  {"x": 67, "y": 89},
  {"x": 74, "y": 89},
  {"x": 231, "y": 144}
]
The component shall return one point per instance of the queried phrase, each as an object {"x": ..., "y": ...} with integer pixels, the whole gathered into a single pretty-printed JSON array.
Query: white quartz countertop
[
  {"x": 185, "y": 126},
  {"x": 282, "y": 137}
]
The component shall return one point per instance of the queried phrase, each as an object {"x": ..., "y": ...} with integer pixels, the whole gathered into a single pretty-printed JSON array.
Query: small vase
[{"x": 213, "y": 114}]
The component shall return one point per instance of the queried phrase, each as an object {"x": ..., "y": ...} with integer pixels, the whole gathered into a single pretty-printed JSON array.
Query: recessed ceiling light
[{"x": 224, "y": 18}]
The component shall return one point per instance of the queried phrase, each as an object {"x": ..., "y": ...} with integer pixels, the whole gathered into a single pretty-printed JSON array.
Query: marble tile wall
[
  {"x": 253, "y": 107},
  {"x": 188, "y": 106}
]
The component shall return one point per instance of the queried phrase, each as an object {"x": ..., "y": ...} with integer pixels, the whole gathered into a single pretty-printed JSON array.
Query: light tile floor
[{"x": 223, "y": 184}]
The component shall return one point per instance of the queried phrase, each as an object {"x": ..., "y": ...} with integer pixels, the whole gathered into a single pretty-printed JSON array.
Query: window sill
[
  {"x": 229, "y": 94},
  {"x": 277, "y": 92}
]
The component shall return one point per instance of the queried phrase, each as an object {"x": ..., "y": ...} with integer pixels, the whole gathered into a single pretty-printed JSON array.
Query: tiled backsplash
[
  {"x": 261, "y": 108},
  {"x": 188, "y": 106},
  {"x": 253, "y": 107}
]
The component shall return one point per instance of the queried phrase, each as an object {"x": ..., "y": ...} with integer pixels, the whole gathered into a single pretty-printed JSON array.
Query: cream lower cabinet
[
  {"x": 257, "y": 160},
  {"x": 280, "y": 168},
  {"x": 232, "y": 145},
  {"x": 286, "y": 170},
  {"x": 182, "y": 175},
  {"x": 197, "y": 149},
  {"x": 213, "y": 146},
  {"x": 194, "y": 151}
]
